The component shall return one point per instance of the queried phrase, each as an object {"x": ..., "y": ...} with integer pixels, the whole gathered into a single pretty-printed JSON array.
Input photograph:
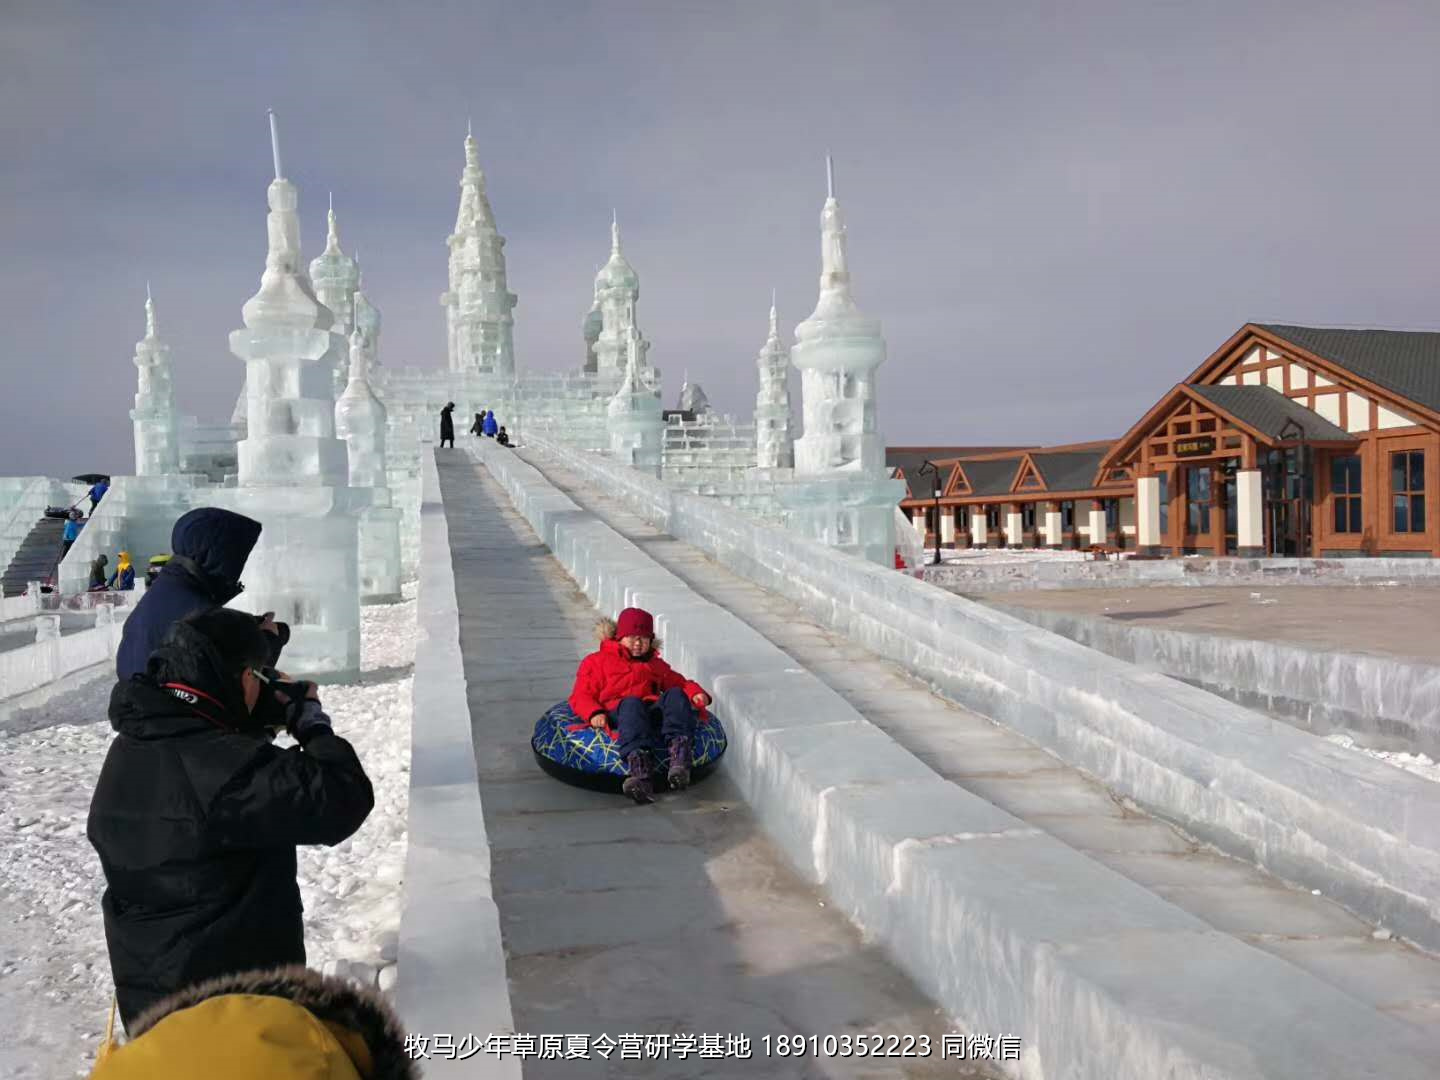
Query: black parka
[{"x": 196, "y": 821}]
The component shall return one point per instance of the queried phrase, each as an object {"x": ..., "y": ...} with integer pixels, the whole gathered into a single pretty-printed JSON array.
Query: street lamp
[{"x": 934, "y": 471}]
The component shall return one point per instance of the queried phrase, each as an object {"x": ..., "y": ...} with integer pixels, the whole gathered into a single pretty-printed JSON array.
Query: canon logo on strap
[{"x": 185, "y": 696}]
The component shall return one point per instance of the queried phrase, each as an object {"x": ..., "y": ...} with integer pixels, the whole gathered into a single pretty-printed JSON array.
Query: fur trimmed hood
[{"x": 362, "y": 1022}]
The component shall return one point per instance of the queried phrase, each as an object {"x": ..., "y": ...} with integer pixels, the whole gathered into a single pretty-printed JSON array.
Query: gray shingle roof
[
  {"x": 991, "y": 477},
  {"x": 1268, "y": 411},
  {"x": 1405, "y": 362},
  {"x": 1069, "y": 470}
]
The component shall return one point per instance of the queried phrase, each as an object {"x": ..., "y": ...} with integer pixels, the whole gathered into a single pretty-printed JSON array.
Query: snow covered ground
[
  {"x": 54, "y": 972},
  {"x": 991, "y": 556}
]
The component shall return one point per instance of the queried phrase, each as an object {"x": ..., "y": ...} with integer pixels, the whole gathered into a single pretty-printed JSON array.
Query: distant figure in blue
[
  {"x": 72, "y": 533},
  {"x": 97, "y": 492},
  {"x": 491, "y": 427}
]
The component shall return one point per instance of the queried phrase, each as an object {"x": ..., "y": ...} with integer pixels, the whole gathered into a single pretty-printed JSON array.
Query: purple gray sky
[{"x": 1055, "y": 209}]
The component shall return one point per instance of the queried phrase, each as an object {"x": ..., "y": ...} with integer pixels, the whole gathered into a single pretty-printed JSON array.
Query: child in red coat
[{"x": 626, "y": 685}]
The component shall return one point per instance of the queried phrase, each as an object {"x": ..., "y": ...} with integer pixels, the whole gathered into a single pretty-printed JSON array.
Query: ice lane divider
[
  {"x": 451, "y": 965},
  {"x": 1391, "y": 704},
  {"x": 1364, "y": 833},
  {"x": 1007, "y": 928}
]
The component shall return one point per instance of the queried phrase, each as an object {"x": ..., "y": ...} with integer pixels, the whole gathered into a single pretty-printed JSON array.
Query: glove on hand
[{"x": 305, "y": 718}]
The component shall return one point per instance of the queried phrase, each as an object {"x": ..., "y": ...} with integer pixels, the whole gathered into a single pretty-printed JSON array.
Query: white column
[
  {"x": 977, "y": 526},
  {"x": 1250, "y": 539},
  {"x": 917, "y": 518},
  {"x": 1097, "y": 526},
  {"x": 1054, "y": 530},
  {"x": 1014, "y": 528},
  {"x": 947, "y": 525},
  {"x": 1147, "y": 512}
]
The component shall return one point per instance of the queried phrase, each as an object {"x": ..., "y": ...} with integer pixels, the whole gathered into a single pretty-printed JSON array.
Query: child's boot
[
  {"x": 679, "y": 776},
  {"x": 637, "y": 785}
]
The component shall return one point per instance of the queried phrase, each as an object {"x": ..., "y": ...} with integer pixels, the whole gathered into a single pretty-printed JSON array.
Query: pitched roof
[
  {"x": 1268, "y": 411},
  {"x": 1072, "y": 470},
  {"x": 991, "y": 477},
  {"x": 911, "y": 458},
  {"x": 1405, "y": 362}
]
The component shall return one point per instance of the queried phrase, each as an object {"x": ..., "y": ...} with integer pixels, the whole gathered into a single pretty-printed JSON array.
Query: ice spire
[
  {"x": 479, "y": 323},
  {"x": 617, "y": 288},
  {"x": 774, "y": 434},
  {"x": 275, "y": 144},
  {"x": 332, "y": 235},
  {"x": 156, "y": 426},
  {"x": 614, "y": 233}
]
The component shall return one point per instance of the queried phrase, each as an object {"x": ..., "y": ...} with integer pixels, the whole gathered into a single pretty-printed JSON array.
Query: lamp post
[{"x": 934, "y": 471}]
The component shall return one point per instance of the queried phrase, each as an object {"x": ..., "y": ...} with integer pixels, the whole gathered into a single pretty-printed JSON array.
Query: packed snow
[
  {"x": 54, "y": 971},
  {"x": 1419, "y": 764}
]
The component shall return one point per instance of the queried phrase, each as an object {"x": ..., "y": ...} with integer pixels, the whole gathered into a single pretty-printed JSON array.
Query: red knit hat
[{"x": 634, "y": 621}]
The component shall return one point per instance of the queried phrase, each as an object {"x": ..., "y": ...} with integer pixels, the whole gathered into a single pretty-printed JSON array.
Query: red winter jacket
[{"x": 610, "y": 674}]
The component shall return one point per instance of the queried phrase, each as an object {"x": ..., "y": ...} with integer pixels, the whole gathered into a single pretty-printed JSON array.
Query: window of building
[
  {"x": 1164, "y": 504},
  {"x": 1027, "y": 516},
  {"x": 992, "y": 517},
  {"x": 1198, "y": 495},
  {"x": 962, "y": 519},
  {"x": 1407, "y": 490},
  {"x": 1345, "y": 492},
  {"x": 1067, "y": 515},
  {"x": 1112, "y": 515}
]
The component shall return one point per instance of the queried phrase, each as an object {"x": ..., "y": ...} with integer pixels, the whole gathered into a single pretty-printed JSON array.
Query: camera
[{"x": 270, "y": 712}]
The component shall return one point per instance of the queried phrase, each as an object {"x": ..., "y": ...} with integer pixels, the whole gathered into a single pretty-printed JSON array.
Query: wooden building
[{"x": 1288, "y": 440}]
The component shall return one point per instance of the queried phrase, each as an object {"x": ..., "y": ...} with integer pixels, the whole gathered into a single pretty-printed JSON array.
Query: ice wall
[
  {"x": 1386, "y": 703},
  {"x": 53, "y": 656}
]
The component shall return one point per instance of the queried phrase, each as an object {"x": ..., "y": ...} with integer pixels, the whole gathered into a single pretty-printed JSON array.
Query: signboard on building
[{"x": 1194, "y": 447}]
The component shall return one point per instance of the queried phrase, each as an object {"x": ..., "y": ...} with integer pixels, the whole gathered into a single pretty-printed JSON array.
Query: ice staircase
[
  {"x": 36, "y": 558},
  {"x": 1014, "y": 888}
]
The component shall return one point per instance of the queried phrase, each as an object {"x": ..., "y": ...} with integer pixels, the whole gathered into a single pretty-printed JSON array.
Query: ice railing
[
  {"x": 29, "y": 508},
  {"x": 53, "y": 656},
  {"x": 1366, "y": 834}
]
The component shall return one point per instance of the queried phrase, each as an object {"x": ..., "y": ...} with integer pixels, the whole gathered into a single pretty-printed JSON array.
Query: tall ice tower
[
  {"x": 157, "y": 438},
  {"x": 843, "y": 496},
  {"x": 294, "y": 472},
  {"x": 478, "y": 304},
  {"x": 774, "y": 437}
]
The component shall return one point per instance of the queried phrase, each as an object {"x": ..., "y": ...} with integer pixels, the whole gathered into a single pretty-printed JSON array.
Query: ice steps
[{"x": 36, "y": 558}]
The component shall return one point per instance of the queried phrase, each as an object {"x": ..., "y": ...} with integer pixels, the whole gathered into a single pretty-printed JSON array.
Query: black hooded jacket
[
  {"x": 196, "y": 817},
  {"x": 447, "y": 423},
  {"x": 209, "y": 547}
]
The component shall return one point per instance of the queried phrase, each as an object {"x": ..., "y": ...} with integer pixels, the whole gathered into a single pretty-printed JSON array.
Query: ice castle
[{"x": 324, "y": 446}]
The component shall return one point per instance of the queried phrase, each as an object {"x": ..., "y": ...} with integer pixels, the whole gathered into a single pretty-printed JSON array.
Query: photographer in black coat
[{"x": 197, "y": 814}]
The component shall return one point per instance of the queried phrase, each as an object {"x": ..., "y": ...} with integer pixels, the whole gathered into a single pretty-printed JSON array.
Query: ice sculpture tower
[
  {"x": 774, "y": 437},
  {"x": 157, "y": 427},
  {"x": 594, "y": 322},
  {"x": 361, "y": 420},
  {"x": 367, "y": 315},
  {"x": 619, "y": 343},
  {"x": 842, "y": 495},
  {"x": 293, "y": 471},
  {"x": 336, "y": 277},
  {"x": 635, "y": 420},
  {"x": 478, "y": 304}
]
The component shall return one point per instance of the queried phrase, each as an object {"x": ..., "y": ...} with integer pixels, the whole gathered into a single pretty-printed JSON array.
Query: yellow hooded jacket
[{"x": 285, "y": 1024}]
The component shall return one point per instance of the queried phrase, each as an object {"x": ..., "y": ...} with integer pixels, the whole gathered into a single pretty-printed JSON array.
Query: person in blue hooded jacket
[
  {"x": 491, "y": 427},
  {"x": 209, "y": 547}
]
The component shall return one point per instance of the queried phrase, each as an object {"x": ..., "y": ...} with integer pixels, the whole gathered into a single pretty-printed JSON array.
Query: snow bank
[{"x": 54, "y": 970}]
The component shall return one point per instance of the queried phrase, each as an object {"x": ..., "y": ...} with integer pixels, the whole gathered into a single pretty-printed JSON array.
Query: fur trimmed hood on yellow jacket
[{"x": 280, "y": 1024}]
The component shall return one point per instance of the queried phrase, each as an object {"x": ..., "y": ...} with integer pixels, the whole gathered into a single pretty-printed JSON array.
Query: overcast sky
[{"x": 1056, "y": 210}]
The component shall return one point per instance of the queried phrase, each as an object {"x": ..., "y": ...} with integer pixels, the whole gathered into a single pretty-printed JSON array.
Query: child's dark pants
[{"x": 651, "y": 726}]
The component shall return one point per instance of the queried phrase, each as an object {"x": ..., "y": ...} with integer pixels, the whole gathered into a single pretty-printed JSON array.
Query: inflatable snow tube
[{"x": 571, "y": 750}]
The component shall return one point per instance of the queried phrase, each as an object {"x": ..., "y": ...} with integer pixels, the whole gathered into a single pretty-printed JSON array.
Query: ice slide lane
[
  {"x": 1007, "y": 770},
  {"x": 675, "y": 918}
]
